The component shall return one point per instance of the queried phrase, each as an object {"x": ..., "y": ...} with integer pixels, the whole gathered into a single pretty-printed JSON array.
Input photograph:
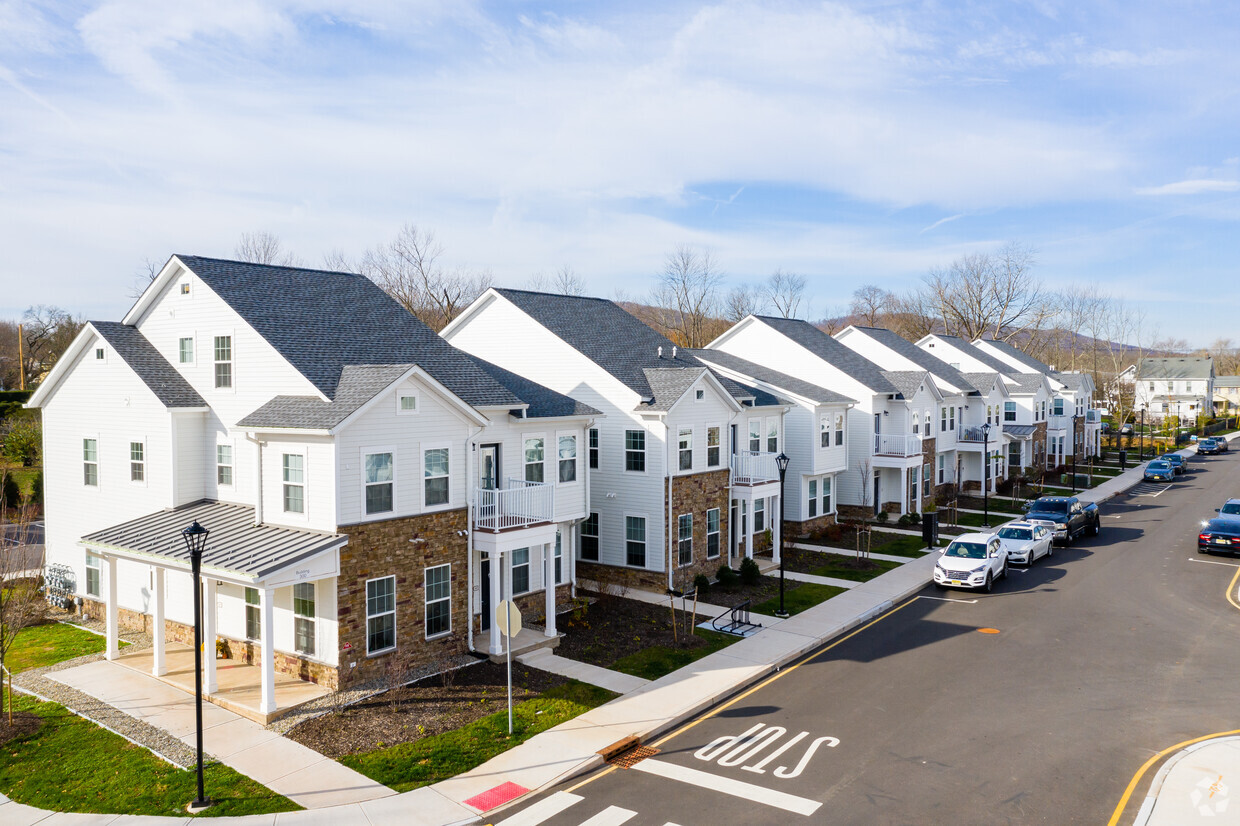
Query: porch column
[
  {"x": 747, "y": 518},
  {"x": 496, "y": 561},
  {"x": 209, "y": 682},
  {"x": 158, "y": 665},
  {"x": 267, "y": 703},
  {"x": 113, "y": 629},
  {"x": 777, "y": 534},
  {"x": 903, "y": 491},
  {"x": 549, "y": 587}
]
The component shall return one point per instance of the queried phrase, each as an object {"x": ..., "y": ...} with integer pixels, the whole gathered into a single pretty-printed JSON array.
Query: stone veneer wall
[
  {"x": 380, "y": 549},
  {"x": 616, "y": 575},
  {"x": 697, "y": 494},
  {"x": 854, "y": 513},
  {"x": 801, "y": 529},
  {"x": 929, "y": 456}
]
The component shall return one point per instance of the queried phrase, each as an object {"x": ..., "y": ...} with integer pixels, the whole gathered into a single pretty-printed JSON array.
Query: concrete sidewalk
[{"x": 1199, "y": 783}]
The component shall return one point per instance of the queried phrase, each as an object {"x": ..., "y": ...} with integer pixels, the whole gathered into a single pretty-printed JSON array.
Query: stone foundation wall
[
  {"x": 799, "y": 529},
  {"x": 696, "y": 494},
  {"x": 616, "y": 576},
  {"x": 854, "y": 513}
]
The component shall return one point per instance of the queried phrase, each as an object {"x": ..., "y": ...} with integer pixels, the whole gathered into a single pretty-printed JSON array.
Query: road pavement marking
[
  {"x": 1160, "y": 493},
  {"x": 546, "y": 808},
  {"x": 1136, "y": 778},
  {"x": 949, "y": 599},
  {"x": 726, "y": 785},
  {"x": 611, "y": 816},
  {"x": 1213, "y": 562}
]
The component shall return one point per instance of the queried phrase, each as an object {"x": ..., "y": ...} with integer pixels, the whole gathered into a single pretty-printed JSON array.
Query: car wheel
[
  {"x": 1050, "y": 549},
  {"x": 1097, "y": 527},
  {"x": 1003, "y": 573},
  {"x": 990, "y": 583}
]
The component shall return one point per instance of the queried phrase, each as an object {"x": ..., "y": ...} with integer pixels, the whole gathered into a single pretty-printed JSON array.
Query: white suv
[{"x": 973, "y": 560}]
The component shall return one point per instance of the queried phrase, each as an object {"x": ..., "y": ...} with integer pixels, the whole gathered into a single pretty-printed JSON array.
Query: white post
[
  {"x": 776, "y": 506},
  {"x": 549, "y": 587},
  {"x": 159, "y": 665},
  {"x": 268, "y": 666},
  {"x": 748, "y": 520},
  {"x": 903, "y": 491},
  {"x": 496, "y": 562},
  {"x": 113, "y": 629},
  {"x": 210, "y": 685}
]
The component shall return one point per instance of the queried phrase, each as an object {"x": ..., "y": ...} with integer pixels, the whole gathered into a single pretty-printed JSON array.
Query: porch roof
[
  {"x": 1019, "y": 430},
  {"x": 235, "y": 545}
]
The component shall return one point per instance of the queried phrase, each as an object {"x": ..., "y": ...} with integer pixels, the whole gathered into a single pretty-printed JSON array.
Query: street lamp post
[
  {"x": 1141, "y": 455},
  {"x": 986, "y": 475},
  {"x": 1075, "y": 419},
  {"x": 196, "y": 541},
  {"x": 781, "y": 461}
]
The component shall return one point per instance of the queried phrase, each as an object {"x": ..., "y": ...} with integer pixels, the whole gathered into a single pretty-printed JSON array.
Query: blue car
[
  {"x": 1207, "y": 446},
  {"x": 1159, "y": 470}
]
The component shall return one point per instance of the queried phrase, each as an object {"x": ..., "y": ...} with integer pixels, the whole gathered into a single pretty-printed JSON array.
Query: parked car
[
  {"x": 1025, "y": 542},
  {"x": 1159, "y": 470},
  {"x": 972, "y": 560},
  {"x": 1105, "y": 428},
  {"x": 1222, "y": 443},
  {"x": 1230, "y": 508},
  {"x": 1207, "y": 446},
  {"x": 1177, "y": 461},
  {"x": 1219, "y": 534},
  {"x": 1126, "y": 430},
  {"x": 1066, "y": 516}
]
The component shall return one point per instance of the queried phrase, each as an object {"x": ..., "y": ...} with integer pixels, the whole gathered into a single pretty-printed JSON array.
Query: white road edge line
[
  {"x": 949, "y": 599},
  {"x": 546, "y": 808},
  {"x": 726, "y": 785},
  {"x": 1160, "y": 493},
  {"x": 1214, "y": 562},
  {"x": 611, "y": 816}
]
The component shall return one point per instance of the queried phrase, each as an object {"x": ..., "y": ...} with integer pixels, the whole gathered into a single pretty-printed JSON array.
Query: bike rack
[{"x": 738, "y": 621}]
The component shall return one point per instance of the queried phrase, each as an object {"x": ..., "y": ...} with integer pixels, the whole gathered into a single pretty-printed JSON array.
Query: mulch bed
[
  {"x": 425, "y": 708},
  {"x": 797, "y": 559},
  {"x": 24, "y": 723}
]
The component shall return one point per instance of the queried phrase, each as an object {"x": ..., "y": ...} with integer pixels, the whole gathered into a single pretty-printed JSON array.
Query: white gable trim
[{"x": 463, "y": 410}]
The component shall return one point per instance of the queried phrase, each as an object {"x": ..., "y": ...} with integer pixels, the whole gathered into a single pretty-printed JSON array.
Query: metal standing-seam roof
[
  {"x": 169, "y": 386},
  {"x": 1019, "y": 430},
  {"x": 832, "y": 352},
  {"x": 235, "y": 544},
  {"x": 1178, "y": 367},
  {"x": 782, "y": 381}
]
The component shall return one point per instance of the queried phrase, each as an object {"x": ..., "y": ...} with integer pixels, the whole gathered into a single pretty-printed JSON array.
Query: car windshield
[
  {"x": 1015, "y": 533},
  {"x": 1230, "y": 507},
  {"x": 1047, "y": 506},
  {"x": 966, "y": 550},
  {"x": 1159, "y": 465},
  {"x": 1174, "y": 459}
]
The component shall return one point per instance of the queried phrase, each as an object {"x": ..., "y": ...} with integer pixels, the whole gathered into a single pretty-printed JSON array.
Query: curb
[{"x": 1151, "y": 796}]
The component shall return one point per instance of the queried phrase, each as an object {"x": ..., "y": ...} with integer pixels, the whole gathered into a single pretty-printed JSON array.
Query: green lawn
[
  {"x": 432, "y": 759},
  {"x": 659, "y": 660},
  {"x": 73, "y": 765},
  {"x": 838, "y": 566},
  {"x": 805, "y": 595},
  {"x": 52, "y": 643}
]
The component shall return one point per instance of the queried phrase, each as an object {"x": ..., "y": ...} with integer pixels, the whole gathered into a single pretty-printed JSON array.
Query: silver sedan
[{"x": 1025, "y": 542}]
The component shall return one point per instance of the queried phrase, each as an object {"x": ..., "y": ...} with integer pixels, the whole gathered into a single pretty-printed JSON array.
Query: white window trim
[
  {"x": 679, "y": 517},
  {"x": 824, "y": 429},
  {"x": 749, "y": 435},
  {"x": 188, "y": 284},
  {"x": 245, "y": 620},
  {"x": 597, "y": 449},
  {"x": 417, "y": 402},
  {"x": 232, "y": 352},
  {"x": 581, "y": 535},
  {"x": 680, "y": 432},
  {"x": 529, "y": 574},
  {"x": 807, "y": 497},
  {"x": 422, "y": 449},
  {"x": 841, "y": 426},
  {"x": 363, "y": 516},
  {"x": 129, "y": 463},
  {"x": 193, "y": 352},
  {"x": 305, "y": 483},
  {"x": 426, "y": 603},
  {"x": 97, "y": 463},
  {"x": 99, "y": 347},
  {"x": 826, "y": 489},
  {"x": 722, "y": 433},
  {"x": 368, "y": 616},
  {"x": 231, "y": 445},
  {"x": 624, "y": 535},
  {"x": 718, "y": 534},
  {"x": 98, "y": 568},
  {"x": 313, "y": 618},
  {"x": 645, "y": 451},
  {"x": 525, "y": 464},
  {"x": 580, "y": 470}
]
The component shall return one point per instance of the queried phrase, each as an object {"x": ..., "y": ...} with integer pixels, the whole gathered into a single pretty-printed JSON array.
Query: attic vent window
[
  {"x": 699, "y": 395},
  {"x": 407, "y": 403},
  {"x": 99, "y": 353},
  {"x": 184, "y": 288}
]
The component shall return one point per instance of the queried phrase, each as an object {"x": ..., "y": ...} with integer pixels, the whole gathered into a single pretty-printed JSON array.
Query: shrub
[
  {"x": 750, "y": 573},
  {"x": 701, "y": 583},
  {"x": 22, "y": 439},
  {"x": 726, "y": 577},
  {"x": 882, "y": 516},
  {"x": 834, "y": 533},
  {"x": 10, "y": 493},
  {"x": 36, "y": 488},
  {"x": 905, "y": 520}
]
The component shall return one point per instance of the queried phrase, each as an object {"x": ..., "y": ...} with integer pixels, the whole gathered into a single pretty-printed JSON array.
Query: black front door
[
  {"x": 485, "y": 581},
  {"x": 488, "y": 467}
]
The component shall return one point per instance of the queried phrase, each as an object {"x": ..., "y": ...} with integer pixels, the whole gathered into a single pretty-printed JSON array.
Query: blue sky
[{"x": 855, "y": 143}]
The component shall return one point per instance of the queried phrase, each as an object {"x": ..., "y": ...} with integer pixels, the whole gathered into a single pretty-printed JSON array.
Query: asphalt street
[{"x": 1034, "y": 704}]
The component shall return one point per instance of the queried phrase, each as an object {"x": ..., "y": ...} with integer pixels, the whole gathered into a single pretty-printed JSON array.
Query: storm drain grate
[{"x": 629, "y": 758}]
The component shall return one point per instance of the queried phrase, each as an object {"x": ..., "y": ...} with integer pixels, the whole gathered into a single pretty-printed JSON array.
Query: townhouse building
[
  {"x": 1180, "y": 386},
  {"x": 369, "y": 489},
  {"x": 1226, "y": 394},
  {"x": 683, "y": 463}
]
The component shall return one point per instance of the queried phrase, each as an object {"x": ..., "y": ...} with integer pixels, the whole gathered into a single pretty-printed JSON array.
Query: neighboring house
[
  {"x": 1226, "y": 394},
  {"x": 891, "y": 443},
  {"x": 815, "y": 436},
  {"x": 683, "y": 470},
  {"x": 369, "y": 489},
  {"x": 1181, "y": 386}
]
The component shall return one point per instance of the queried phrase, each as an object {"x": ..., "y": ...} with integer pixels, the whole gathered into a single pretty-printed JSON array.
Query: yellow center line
[{"x": 1231, "y": 590}]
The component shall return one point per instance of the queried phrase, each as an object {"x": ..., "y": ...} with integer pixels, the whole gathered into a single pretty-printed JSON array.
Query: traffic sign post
[{"x": 508, "y": 620}]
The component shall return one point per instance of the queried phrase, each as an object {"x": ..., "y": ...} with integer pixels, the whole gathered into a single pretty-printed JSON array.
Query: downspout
[
  {"x": 258, "y": 478},
  {"x": 470, "y": 447},
  {"x": 667, "y": 469}
]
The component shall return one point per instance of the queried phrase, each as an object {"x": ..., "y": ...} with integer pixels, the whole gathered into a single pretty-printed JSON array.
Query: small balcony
[
  {"x": 897, "y": 444},
  {"x": 753, "y": 467},
  {"x": 517, "y": 505},
  {"x": 973, "y": 433},
  {"x": 1093, "y": 417},
  {"x": 1058, "y": 422}
]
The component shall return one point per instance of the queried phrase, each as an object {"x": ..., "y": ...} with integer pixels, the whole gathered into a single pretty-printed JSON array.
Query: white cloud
[{"x": 1195, "y": 186}]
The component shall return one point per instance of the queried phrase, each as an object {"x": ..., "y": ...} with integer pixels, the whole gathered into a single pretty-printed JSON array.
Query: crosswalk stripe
[
  {"x": 611, "y": 816},
  {"x": 542, "y": 810},
  {"x": 726, "y": 785}
]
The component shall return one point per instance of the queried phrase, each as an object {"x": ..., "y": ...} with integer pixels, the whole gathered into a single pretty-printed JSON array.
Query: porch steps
[{"x": 529, "y": 638}]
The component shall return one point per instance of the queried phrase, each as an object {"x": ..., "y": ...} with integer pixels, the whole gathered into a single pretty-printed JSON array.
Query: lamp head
[
  {"x": 782, "y": 461},
  {"x": 195, "y": 539}
]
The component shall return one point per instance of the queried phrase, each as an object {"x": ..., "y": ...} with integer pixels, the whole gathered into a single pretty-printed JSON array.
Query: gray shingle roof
[
  {"x": 832, "y": 352},
  {"x": 982, "y": 382},
  {"x": 990, "y": 361},
  {"x": 782, "y": 381},
  {"x": 1033, "y": 365},
  {"x": 908, "y": 382},
  {"x": 1227, "y": 381},
  {"x": 235, "y": 543},
  {"x": 927, "y": 361},
  {"x": 358, "y": 384},
  {"x": 321, "y": 321},
  {"x": 1181, "y": 367},
  {"x": 1071, "y": 381},
  {"x": 169, "y": 386},
  {"x": 543, "y": 401},
  {"x": 1026, "y": 383},
  {"x": 668, "y": 384}
]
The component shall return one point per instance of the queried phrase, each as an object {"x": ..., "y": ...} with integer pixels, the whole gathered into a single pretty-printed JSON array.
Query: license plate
[
  {"x": 955, "y": 582},
  {"x": 1218, "y": 541}
]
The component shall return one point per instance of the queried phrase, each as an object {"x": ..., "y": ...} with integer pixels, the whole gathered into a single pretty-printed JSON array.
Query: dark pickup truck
[{"x": 1066, "y": 516}]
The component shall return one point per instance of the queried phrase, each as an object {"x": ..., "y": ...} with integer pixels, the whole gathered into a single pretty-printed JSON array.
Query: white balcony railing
[
  {"x": 1059, "y": 422},
  {"x": 973, "y": 433},
  {"x": 520, "y": 504},
  {"x": 896, "y": 444},
  {"x": 753, "y": 467},
  {"x": 1093, "y": 417}
]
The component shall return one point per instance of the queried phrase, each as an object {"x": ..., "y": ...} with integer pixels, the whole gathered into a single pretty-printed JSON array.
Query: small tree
[{"x": 21, "y": 597}]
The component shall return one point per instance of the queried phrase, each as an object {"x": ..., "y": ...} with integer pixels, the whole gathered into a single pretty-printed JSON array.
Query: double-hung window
[
  {"x": 377, "y": 468},
  {"x": 185, "y": 350},
  {"x": 520, "y": 570},
  {"x": 635, "y": 541},
  {"x": 712, "y": 533},
  {"x": 635, "y": 450},
  {"x": 380, "y": 615},
  {"x": 916, "y": 422},
  {"x": 942, "y": 469},
  {"x": 684, "y": 448},
  {"x": 1009, "y": 411},
  {"x": 438, "y": 591},
  {"x": 589, "y": 538},
  {"x": 755, "y": 435},
  {"x": 90, "y": 462},
  {"x": 559, "y": 558},
  {"x": 684, "y": 539},
  {"x": 567, "y": 458},
  {"x": 812, "y": 503},
  {"x": 1058, "y": 407},
  {"x": 927, "y": 478},
  {"x": 92, "y": 575},
  {"x": 593, "y": 448},
  {"x": 839, "y": 429},
  {"x": 712, "y": 446},
  {"x": 912, "y": 485},
  {"x": 137, "y": 462},
  {"x": 294, "y": 483},
  {"x": 435, "y": 476},
  {"x": 223, "y": 464},
  {"x": 759, "y": 515},
  {"x": 253, "y": 615},
  {"x": 826, "y": 494},
  {"x": 824, "y": 431},
  {"x": 942, "y": 419},
  {"x": 303, "y": 617},
  {"x": 772, "y": 435},
  {"x": 534, "y": 447},
  {"x": 223, "y": 361}
]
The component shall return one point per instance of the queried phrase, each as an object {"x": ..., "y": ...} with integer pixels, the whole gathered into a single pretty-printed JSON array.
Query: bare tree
[
  {"x": 687, "y": 296},
  {"x": 408, "y": 269},
  {"x": 1122, "y": 336},
  {"x": 21, "y": 566},
  {"x": 1226, "y": 356},
  {"x": 334, "y": 260},
  {"x": 785, "y": 291},
  {"x": 741, "y": 301},
  {"x": 565, "y": 281},
  {"x": 872, "y": 303},
  {"x": 47, "y": 332},
  {"x": 911, "y": 315},
  {"x": 990, "y": 293},
  {"x": 143, "y": 277},
  {"x": 264, "y": 248}
]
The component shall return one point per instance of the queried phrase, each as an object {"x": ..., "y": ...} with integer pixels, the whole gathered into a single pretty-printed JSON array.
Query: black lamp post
[
  {"x": 1075, "y": 418},
  {"x": 781, "y": 461},
  {"x": 986, "y": 475},
  {"x": 196, "y": 540},
  {"x": 1141, "y": 455}
]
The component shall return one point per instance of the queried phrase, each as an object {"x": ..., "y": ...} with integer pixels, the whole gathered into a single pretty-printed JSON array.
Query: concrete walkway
[
  {"x": 821, "y": 580},
  {"x": 303, "y": 775},
  {"x": 1199, "y": 783},
  {"x": 615, "y": 681}
]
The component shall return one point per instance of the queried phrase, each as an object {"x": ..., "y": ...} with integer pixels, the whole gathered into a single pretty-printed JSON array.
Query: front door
[
  {"x": 878, "y": 502},
  {"x": 488, "y": 467},
  {"x": 484, "y": 579}
]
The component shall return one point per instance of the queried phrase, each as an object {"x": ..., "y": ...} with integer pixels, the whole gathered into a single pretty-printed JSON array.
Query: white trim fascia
[
  {"x": 478, "y": 305},
  {"x": 710, "y": 377},
  {"x": 222, "y": 574},
  {"x": 464, "y": 410},
  {"x": 289, "y": 431},
  {"x": 581, "y": 417},
  {"x": 733, "y": 330},
  {"x": 153, "y": 290},
  {"x": 62, "y": 366}
]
